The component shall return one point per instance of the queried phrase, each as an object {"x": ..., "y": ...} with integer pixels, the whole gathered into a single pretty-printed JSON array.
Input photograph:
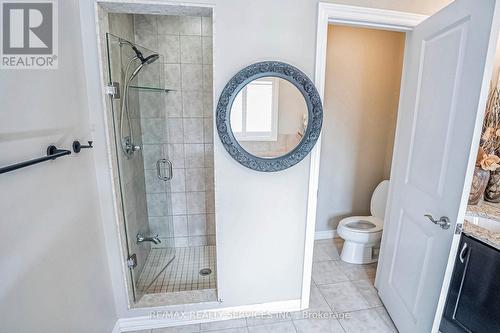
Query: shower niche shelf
[{"x": 152, "y": 89}]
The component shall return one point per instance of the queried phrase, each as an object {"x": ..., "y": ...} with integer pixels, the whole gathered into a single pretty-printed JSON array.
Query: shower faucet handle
[
  {"x": 154, "y": 239},
  {"x": 129, "y": 146}
]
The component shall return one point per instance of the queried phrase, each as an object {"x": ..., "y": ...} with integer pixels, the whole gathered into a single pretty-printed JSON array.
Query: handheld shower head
[
  {"x": 144, "y": 61},
  {"x": 128, "y": 145},
  {"x": 152, "y": 58}
]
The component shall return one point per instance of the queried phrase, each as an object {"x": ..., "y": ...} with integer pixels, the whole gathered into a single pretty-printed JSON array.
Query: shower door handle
[
  {"x": 158, "y": 169},
  {"x": 170, "y": 169}
]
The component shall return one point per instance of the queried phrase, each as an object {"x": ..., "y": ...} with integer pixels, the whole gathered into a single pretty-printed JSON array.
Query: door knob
[{"x": 443, "y": 222}]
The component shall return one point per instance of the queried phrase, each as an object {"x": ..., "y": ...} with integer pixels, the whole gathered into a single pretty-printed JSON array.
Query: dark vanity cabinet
[{"x": 473, "y": 301}]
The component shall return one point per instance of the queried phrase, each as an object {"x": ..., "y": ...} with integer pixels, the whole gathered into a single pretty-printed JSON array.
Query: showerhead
[
  {"x": 144, "y": 61},
  {"x": 150, "y": 59},
  {"x": 147, "y": 60}
]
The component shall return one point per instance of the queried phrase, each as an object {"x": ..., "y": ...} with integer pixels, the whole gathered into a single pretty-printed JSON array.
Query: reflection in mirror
[{"x": 269, "y": 117}]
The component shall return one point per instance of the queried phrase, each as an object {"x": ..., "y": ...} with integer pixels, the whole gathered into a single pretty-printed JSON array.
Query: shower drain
[{"x": 205, "y": 271}]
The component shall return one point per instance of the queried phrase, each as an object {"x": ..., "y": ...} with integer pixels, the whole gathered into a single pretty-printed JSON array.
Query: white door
[{"x": 443, "y": 94}]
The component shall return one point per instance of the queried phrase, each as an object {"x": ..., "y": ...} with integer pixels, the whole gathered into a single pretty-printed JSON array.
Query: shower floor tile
[{"x": 182, "y": 274}]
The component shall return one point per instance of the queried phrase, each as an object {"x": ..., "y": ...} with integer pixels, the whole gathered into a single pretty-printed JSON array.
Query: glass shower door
[{"x": 136, "y": 90}]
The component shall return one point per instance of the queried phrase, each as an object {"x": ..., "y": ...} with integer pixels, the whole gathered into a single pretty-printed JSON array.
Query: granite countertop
[{"x": 486, "y": 210}]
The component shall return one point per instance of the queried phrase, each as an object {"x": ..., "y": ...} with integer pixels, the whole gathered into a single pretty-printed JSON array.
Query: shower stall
[{"x": 160, "y": 123}]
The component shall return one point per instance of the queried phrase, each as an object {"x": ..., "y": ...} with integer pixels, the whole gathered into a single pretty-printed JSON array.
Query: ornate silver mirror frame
[{"x": 314, "y": 107}]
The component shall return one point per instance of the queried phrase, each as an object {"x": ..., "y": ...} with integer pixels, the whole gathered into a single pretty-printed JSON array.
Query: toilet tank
[{"x": 379, "y": 200}]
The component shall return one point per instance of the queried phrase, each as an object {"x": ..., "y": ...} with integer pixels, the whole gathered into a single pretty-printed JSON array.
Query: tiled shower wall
[{"x": 186, "y": 120}]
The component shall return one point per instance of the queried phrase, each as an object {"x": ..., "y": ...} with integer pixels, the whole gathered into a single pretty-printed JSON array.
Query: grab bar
[{"x": 52, "y": 153}]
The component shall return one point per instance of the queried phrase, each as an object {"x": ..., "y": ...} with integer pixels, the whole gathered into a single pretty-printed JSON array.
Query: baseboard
[
  {"x": 326, "y": 234},
  {"x": 146, "y": 322}
]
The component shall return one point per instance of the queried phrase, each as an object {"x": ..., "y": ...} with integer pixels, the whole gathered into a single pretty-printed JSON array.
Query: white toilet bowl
[{"x": 362, "y": 234}]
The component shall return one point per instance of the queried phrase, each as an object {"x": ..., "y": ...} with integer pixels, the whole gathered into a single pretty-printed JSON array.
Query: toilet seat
[
  {"x": 362, "y": 234},
  {"x": 350, "y": 230},
  {"x": 362, "y": 224}
]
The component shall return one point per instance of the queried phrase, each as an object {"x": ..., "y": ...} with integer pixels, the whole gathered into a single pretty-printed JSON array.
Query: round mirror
[{"x": 268, "y": 117}]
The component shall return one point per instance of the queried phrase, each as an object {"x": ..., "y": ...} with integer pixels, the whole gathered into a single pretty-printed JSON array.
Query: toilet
[{"x": 362, "y": 234}]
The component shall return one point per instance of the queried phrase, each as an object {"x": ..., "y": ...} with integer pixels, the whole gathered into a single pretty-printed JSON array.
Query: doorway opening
[
  {"x": 363, "y": 78},
  {"x": 361, "y": 96}
]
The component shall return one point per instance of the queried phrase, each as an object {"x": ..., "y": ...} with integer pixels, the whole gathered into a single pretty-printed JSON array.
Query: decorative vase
[
  {"x": 492, "y": 192},
  {"x": 479, "y": 182}
]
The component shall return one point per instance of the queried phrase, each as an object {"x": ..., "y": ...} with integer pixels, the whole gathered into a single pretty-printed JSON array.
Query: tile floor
[
  {"x": 182, "y": 274},
  {"x": 337, "y": 287}
]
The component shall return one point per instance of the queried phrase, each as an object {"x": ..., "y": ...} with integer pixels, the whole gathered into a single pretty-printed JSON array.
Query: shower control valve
[{"x": 129, "y": 146}]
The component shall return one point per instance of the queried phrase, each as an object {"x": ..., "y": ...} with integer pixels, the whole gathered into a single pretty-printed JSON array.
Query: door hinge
[
  {"x": 113, "y": 90},
  {"x": 132, "y": 261},
  {"x": 458, "y": 228}
]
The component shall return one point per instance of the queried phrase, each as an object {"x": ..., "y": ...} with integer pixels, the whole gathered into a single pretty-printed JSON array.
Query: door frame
[{"x": 362, "y": 17}]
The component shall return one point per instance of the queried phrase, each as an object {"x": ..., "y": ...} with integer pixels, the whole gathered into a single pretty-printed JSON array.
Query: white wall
[
  {"x": 260, "y": 216},
  {"x": 54, "y": 270},
  {"x": 363, "y": 72}
]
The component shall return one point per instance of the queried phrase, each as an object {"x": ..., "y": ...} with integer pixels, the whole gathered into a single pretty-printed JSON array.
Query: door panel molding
[
  {"x": 436, "y": 186},
  {"x": 410, "y": 225}
]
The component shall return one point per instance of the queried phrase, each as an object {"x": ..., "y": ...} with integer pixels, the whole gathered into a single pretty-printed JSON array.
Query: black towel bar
[{"x": 52, "y": 154}]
